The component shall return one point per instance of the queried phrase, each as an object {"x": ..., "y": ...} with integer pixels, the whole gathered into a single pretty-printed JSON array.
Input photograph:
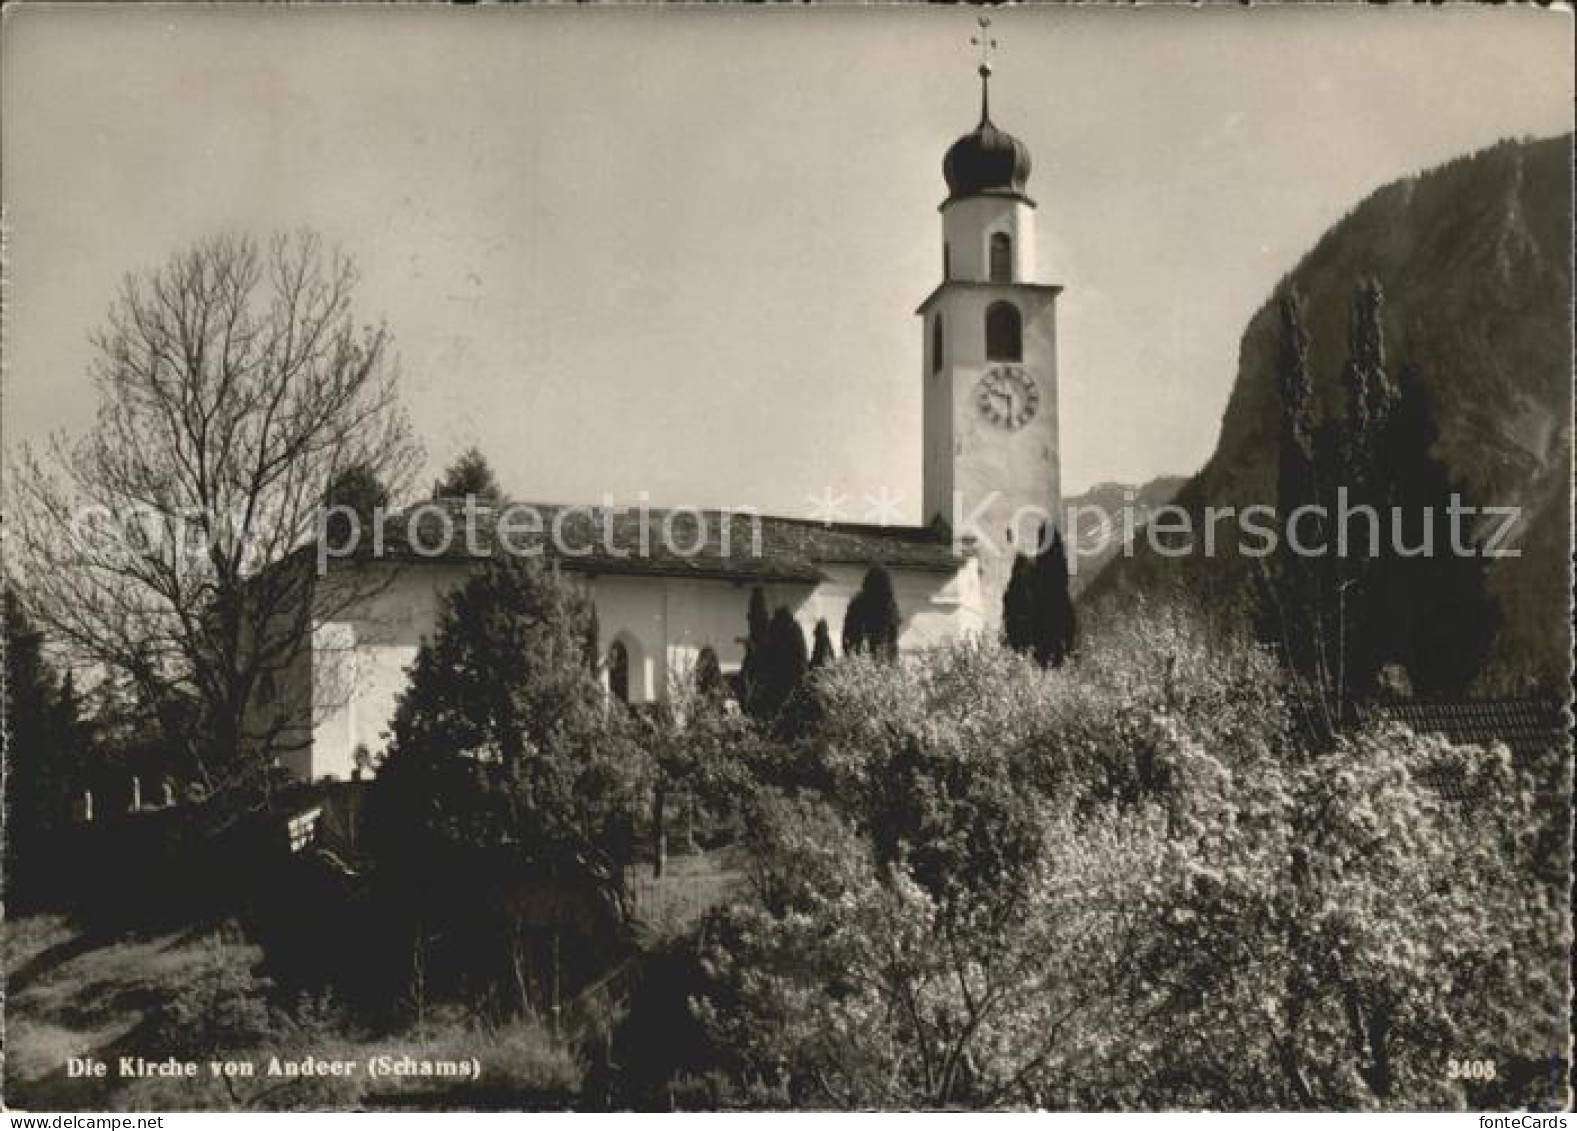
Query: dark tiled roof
[
  {"x": 672, "y": 542},
  {"x": 1529, "y": 727},
  {"x": 1536, "y": 731}
]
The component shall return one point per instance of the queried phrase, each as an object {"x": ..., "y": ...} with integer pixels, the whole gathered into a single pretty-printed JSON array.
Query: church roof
[
  {"x": 987, "y": 161},
  {"x": 682, "y": 542}
]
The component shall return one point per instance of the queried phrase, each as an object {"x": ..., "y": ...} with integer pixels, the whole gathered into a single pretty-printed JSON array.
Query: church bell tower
[{"x": 990, "y": 358}]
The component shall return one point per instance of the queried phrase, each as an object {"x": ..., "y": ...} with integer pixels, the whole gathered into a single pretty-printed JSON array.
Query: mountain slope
[
  {"x": 1475, "y": 261},
  {"x": 1093, "y": 516}
]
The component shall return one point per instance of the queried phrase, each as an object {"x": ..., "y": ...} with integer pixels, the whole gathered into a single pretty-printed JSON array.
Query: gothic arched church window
[
  {"x": 1001, "y": 258},
  {"x": 1004, "y": 333},
  {"x": 619, "y": 672}
]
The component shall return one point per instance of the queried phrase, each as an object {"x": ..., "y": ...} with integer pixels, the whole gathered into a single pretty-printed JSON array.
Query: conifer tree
[
  {"x": 1018, "y": 606},
  {"x": 505, "y": 671},
  {"x": 821, "y": 651},
  {"x": 1054, "y": 622},
  {"x": 45, "y": 745},
  {"x": 593, "y": 643},
  {"x": 757, "y": 617},
  {"x": 1369, "y": 397},
  {"x": 1291, "y": 613},
  {"x": 470, "y": 474},
  {"x": 710, "y": 686},
  {"x": 1037, "y": 607},
  {"x": 854, "y": 624},
  {"x": 1368, "y": 392},
  {"x": 358, "y": 489},
  {"x": 788, "y": 660},
  {"x": 505, "y": 765},
  {"x": 872, "y": 622},
  {"x": 1386, "y": 586},
  {"x": 1296, "y": 482},
  {"x": 778, "y": 666},
  {"x": 752, "y": 672},
  {"x": 1430, "y": 607}
]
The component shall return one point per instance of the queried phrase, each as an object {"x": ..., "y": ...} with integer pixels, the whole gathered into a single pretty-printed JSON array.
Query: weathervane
[{"x": 987, "y": 44}]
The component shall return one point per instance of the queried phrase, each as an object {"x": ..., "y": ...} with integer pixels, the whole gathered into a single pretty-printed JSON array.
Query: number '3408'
[{"x": 1470, "y": 1069}]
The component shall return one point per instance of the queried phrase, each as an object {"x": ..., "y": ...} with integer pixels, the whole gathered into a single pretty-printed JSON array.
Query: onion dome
[{"x": 987, "y": 161}]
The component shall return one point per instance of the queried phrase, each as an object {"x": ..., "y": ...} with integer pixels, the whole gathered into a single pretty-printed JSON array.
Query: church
[{"x": 669, "y": 586}]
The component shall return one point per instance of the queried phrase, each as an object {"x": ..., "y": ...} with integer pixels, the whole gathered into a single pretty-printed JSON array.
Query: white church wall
[
  {"x": 334, "y": 671},
  {"x": 631, "y": 610},
  {"x": 361, "y": 661},
  {"x": 934, "y": 608},
  {"x": 711, "y": 614}
]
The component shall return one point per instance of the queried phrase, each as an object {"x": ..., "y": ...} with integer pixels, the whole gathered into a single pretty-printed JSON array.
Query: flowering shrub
[{"x": 1126, "y": 883}]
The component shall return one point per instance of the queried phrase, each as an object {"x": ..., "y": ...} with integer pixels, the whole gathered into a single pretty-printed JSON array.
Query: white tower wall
[{"x": 967, "y": 228}]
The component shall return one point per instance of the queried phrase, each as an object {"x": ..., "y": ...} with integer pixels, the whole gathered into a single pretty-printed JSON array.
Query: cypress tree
[
  {"x": 1291, "y": 613},
  {"x": 1390, "y": 588},
  {"x": 781, "y": 669},
  {"x": 1037, "y": 607},
  {"x": 751, "y": 671},
  {"x": 1295, "y": 481},
  {"x": 790, "y": 659},
  {"x": 1361, "y": 617},
  {"x": 710, "y": 686},
  {"x": 854, "y": 625},
  {"x": 757, "y": 619},
  {"x": 1430, "y": 607},
  {"x": 1054, "y": 622},
  {"x": 821, "y": 652},
  {"x": 1367, "y": 389},
  {"x": 874, "y": 617},
  {"x": 593, "y": 640},
  {"x": 1018, "y": 606}
]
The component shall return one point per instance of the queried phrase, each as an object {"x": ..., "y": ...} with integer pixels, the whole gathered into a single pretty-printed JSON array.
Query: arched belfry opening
[{"x": 1004, "y": 332}]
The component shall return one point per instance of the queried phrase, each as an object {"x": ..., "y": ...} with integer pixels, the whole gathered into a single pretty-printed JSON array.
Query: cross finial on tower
[{"x": 987, "y": 44}]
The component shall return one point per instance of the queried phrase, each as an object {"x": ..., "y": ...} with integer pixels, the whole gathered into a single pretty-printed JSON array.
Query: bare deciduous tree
[{"x": 171, "y": 545}]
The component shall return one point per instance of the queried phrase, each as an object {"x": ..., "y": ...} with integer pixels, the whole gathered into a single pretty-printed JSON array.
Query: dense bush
[{"x": 507, "y": 806}]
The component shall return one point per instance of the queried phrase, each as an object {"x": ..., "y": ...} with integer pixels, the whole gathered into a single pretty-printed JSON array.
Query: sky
[{"x": 675, "y": 254}]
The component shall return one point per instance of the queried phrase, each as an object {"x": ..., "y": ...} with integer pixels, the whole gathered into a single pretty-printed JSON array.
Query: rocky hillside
[
  {"x": 1092, "y": 515},
  {"x": 1475, "y": 261}
]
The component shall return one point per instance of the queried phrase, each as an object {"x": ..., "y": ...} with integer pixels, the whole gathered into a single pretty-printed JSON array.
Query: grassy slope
[{"x": 69, "y": 995}]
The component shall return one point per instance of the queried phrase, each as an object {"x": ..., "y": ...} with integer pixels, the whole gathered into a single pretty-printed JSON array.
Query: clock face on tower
[{"x": 1007, "y": 396}]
